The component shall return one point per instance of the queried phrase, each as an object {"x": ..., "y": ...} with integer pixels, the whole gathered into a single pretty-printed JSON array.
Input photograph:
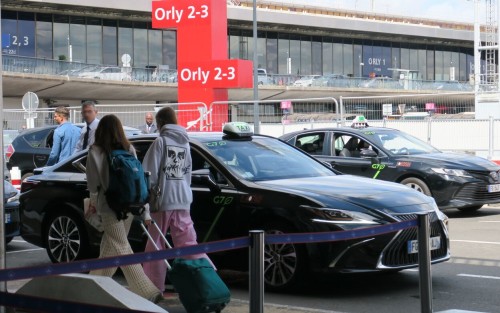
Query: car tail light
[
  {"x": 29, "y": 184},
  {"x": 10, "y": 151}
]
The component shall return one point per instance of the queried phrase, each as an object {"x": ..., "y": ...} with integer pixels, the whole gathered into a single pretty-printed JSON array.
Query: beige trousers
[{"x": 114, "y": 242}]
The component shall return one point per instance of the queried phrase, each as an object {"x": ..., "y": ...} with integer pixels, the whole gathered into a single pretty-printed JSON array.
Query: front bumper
[
  {"x": 396, "y": 256},
  {"x": 389, "y": 251},
  {"x": 461, "y": 192}
]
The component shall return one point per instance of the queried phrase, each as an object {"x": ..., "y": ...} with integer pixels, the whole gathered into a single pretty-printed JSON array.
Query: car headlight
[
  {"x": 441, "y": 216},
  {"x": 451, "y": 172},
  {"x": 337, "y": 216}
]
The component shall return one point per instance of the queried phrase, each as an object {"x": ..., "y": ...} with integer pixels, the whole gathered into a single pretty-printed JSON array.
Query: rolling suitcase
[{"x": 200, "y": 288}]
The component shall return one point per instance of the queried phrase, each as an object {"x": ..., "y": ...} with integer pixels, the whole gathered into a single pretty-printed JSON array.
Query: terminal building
[{"x": 45, "y": 42}]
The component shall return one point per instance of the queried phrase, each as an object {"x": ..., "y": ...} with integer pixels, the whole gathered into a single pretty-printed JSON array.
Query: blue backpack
[{"x": 128, "y": 185}]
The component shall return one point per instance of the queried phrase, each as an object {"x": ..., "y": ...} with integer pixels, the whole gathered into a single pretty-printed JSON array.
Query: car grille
[
  {"x": 477, "y": 192},
  {"x": 396, "y": 253}
]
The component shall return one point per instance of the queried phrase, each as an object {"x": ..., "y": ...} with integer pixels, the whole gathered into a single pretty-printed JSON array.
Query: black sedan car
[
  {"x": 31, "y": 148},
  {"x": 241, "y": 182},
  {"x": 454, "y": 180},
  {"x": 11, "y": 211}
]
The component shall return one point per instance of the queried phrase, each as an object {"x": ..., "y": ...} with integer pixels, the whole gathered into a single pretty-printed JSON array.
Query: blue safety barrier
[
  {"x": 93, "y": 264},
  {"x": 209, "y": 247},
  {"x": 339, "y": 235},
  {"x": 49, "y": 305}
]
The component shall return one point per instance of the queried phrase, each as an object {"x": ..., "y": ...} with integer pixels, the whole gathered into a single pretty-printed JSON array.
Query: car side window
[
  {"x": 350, "y": 146},
  {"x": 199, "y": 162},
  {"x": 50, "y": 139},
  {"x": 346, "y": 145},
  {"x": 37, "y": 139},
  {"x": 311, "y": 143}
]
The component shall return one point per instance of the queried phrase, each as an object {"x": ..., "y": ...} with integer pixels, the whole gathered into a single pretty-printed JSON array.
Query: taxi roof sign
[
  {"x": 359, "y": 122},
  {"x": 237, "y": 129}
]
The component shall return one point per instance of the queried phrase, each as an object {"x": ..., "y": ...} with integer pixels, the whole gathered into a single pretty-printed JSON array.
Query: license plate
[
  {"x": 8, "y": 219},
  {"x": 494, "y": 188},
  {"x": 435, "y": 243}
]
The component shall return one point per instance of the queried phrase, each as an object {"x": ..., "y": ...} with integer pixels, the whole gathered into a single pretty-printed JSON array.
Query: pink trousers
[{"x": 182, "y": 233}]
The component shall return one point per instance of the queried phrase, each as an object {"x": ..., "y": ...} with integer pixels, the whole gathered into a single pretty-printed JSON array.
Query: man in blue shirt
[{"x": 65, "y": 137}]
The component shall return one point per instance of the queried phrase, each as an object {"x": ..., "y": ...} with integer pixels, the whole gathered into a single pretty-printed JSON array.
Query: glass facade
[{"x": 105, "y": 41}]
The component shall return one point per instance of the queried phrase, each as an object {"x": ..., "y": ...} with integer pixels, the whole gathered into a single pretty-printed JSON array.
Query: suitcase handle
[
  {"x": 152, "y": 241},
  {"x": 161, "y": 234}
]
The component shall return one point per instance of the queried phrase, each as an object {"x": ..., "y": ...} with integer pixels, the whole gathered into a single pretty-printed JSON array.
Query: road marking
[
  {"x": 474, "y": 241},
  {"x": 291, "y": 307},
  {"x": 16, "y": 240},
  {"x": 475, "y": 262},
  {"x": 489, "y": 221},
  {"x": 479, "y": 276},
  {"x": 26, "y": 250}
]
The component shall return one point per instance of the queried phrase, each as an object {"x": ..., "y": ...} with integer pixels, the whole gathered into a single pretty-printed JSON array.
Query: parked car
[
  {"x": 171, "y": 77},
  {"x": 452, "y": 85},
  {"x": 8, "y": 136},
  {"x": 306, "y": 81},
  {"x": 457, "y": 181},
  {"x": 240, "y": 182},
  {"x": 108, "y": 73},
  {"x": 31, "y": 148},
  {"x": 381, "y": 83},
  {"x": 11, "y": 211},
  {"x": 262, "y": 77},
  {"x": 332, "y": 80}
]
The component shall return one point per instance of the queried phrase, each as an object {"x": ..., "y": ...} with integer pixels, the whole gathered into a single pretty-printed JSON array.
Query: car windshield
[
  {"x": 400, "y": 143},
  {"x": 265, "y": 159}
]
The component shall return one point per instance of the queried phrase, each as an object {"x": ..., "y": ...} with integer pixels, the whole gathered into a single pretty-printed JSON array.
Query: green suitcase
[{"x": 200, "y": 288}]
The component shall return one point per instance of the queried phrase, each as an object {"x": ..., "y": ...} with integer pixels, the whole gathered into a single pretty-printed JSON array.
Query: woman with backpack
[{"x": 110, "y": 136}]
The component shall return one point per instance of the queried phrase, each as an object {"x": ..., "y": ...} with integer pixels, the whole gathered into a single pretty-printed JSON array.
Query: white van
[{"x": 262, "y": 77}]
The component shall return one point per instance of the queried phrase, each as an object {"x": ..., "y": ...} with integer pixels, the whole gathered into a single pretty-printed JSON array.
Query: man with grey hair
[
  {"x": 65, "y": 137},
  {"x": 87, "y": 134}
]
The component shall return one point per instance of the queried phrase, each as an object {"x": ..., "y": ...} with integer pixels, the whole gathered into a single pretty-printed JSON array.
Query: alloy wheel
[
  {"x": 280, "y": 263},
  {"x": 64, "y": 239}
]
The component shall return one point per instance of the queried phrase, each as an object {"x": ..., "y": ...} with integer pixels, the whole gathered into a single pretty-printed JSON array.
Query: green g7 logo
[{"x": 378, "y": 168}]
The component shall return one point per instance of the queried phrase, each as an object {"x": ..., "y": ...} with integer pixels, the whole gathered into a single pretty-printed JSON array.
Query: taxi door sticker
[
  {"x": 218, "y": 200},
  {"x": 378, "y": 168}
]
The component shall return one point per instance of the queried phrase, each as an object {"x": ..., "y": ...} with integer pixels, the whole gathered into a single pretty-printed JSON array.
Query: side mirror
[
  {"x": 369, "y": 154},
  {"x": 205, "y": 178}
]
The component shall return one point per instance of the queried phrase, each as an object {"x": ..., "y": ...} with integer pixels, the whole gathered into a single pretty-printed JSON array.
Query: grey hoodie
[{"x": 176, "y": 169}]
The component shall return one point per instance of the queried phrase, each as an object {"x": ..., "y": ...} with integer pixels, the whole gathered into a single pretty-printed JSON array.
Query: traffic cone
[{"x": 15, "y": 177}]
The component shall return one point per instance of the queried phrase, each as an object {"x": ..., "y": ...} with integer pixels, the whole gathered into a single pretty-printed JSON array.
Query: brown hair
[
  {"x": 64, "y": 111},
  {"x": 166, "y": 116},
  {"x": 109, "y": 134}
]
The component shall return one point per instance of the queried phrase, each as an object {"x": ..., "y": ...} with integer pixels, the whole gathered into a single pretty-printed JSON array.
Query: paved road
[{"x": 469, "y": 281}]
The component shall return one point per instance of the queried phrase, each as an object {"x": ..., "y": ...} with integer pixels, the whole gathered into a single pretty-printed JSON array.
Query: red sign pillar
[{"x": 204, "y": 72}]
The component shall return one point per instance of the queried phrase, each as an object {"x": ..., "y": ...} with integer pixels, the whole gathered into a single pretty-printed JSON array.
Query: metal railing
[{"x": 158, "y": 74}]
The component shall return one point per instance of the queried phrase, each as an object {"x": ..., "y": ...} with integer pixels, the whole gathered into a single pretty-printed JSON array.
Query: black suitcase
[{"x": 200, "y": 288}]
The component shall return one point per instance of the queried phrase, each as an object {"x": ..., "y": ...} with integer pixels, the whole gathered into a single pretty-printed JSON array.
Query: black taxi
[
  {"x": 240, "y": 182},
  {"x": 454, "y": 180}
]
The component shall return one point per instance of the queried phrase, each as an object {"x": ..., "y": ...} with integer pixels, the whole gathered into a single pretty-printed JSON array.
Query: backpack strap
[{"x": 162, "y": 162}]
